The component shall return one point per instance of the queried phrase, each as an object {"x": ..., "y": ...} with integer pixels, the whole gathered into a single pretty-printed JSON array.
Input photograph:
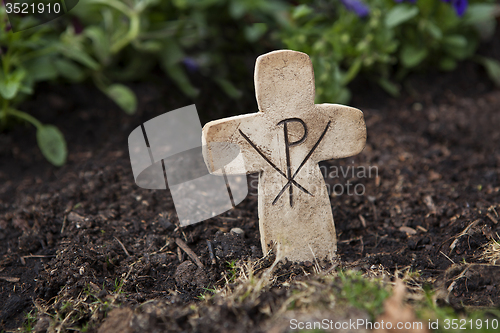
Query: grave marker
[{"x": 284, "y": 142}]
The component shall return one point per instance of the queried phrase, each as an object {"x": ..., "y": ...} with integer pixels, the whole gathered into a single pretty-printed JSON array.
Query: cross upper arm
[
  {"x": 346, "y": 135},
  {"x": 225, "y": 146}
]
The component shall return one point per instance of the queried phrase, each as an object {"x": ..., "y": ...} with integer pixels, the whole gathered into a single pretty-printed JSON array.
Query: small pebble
[
  {"x": 74, "y": 217},
  {"x": 238, "y": 231}
]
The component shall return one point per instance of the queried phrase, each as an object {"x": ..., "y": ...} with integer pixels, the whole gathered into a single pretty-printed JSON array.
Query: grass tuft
[{"x": 491, "y": 251}]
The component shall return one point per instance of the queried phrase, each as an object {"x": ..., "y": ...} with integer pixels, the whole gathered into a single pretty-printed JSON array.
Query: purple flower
[
  {"x": 191, "y": 64},
  {"x": 356, "y": 6},
  {"x": 459, "y": 5}
]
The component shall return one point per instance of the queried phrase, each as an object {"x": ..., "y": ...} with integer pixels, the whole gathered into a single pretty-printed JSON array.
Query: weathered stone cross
[{"x": 284, "y": 142}]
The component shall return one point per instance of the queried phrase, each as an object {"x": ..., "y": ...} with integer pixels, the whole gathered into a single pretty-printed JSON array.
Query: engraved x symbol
[{"x": 290, "y": 178}]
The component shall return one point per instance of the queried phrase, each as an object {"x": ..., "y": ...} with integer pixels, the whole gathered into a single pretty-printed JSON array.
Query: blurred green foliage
[
  {"x": 389, "y": 43},
  {"x": 114, "y": 41}
]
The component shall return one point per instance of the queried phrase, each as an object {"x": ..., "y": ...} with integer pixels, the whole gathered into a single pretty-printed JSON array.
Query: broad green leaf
[
  {"x": 455, "y": 41},
  {"x": 8, "y": 89},
  {"x": 391, "y": 88},
  {"x": 123, "y": 96},
  {"x": 142, "y": 5},
  {"x": 237, "y": 9},
  {"x": 69, "y": 70},
  {"x": 229, "y": 88},
  {"x": 301, "y": 11},
  {"x": 26, "y": 89},
  {"x": 255, "y": 31},
  {"x": 172, "y": 53},
  {"x": 100, "y": 43},
  {"x": 26, "y": 23},
  {"x": 52, "y": 144},
  {"x": 492, "y": 67},
  {"x": 400, "y": 14},
  {"x": 176, "y": 73},
  {"x": 181, "y": 4},
  {"x": 343, "y": 96},
  {"x": 456, "y": 46},
  {"x": 486, "y": 29},
  {"x": 433, "y": 30},
  {"x": 10, "y": 84},
  {"x": 411, "y": 56},
  {"x": 40, "y": 69},
  {"x": 479, "y": 12},
  {"x": 79, "y": 56},
  {"x": 447, "y": 64}
]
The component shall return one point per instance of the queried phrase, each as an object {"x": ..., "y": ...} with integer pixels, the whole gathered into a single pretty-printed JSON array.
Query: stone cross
[{"x": 284, "y": 142}]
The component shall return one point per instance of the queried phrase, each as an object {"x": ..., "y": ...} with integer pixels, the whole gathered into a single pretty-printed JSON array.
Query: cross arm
[
  {"x": 224, "y": 146},
  {"x": 346, "y": 135}
]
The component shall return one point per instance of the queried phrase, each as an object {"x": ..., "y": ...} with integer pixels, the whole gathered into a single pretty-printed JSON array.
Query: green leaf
[
  {"x": 353, "y": 71},
  {"x": 456, "y": 46},
  {"x": 10, "y": 84},
  {"x": 433, "y": 30},
  {"x": 255, "y": 31},
  {"x": 455, "y": 41},
  {"x": 69, "y": 70},
  {"x": 181, "y": 4},
  {"x": 400, "y": 14},
  {"x": 479, "y": 12},
  {"x": 229, "y": 88},
  {"x": 40, "y": 69},
  {"x": 492, "y": 68},
  {"x": 237, "y": 9},
  {"x": 100, "y": 43},
  {"x": 301, "y": 11},
  {"x": 447, "y": 64},
  {"x": 79, "y": 56},
  {"x": 391, "y": 88},
  {"x": 411, "y": 55},
  {"x": 26, "y": 89},
  {"x": 123, "y": 96},
  {"x": 8, "y": 89},
  {"x": 176, "y": 72},
  {"x": 172, "y": 53},
  {"x": 152, "y": 46},
  {"x": 52, "y": 144},
  {"x": 343, "y": 96}
]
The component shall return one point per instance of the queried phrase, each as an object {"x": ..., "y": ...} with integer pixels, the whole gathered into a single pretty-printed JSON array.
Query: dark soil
[{"x": 432, "y": 204}]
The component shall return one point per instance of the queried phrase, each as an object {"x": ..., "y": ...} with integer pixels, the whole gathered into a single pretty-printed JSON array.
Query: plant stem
[
  {"x": 5, "y": 60},
  {"x": 64, "y": 6},
  {"x": 23, "y": 115},
  {"x": 132, "y": 33},
  {"x": 135, "y": 25},
  {"x": 115, "y": 4}
]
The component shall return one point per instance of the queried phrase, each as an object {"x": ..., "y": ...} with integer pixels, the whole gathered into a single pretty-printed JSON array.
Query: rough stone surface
[{"x": 284, "y": 142}]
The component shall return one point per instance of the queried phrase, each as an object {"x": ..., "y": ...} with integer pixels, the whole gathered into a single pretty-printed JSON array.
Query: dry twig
[
  {"x": 123, "y": 247},
  {"x": 23, "y": 258},
  {"x": 189, "y": 252},
  {"x": 211, "y": 252},
  {"x": 9, "y": 279}
]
